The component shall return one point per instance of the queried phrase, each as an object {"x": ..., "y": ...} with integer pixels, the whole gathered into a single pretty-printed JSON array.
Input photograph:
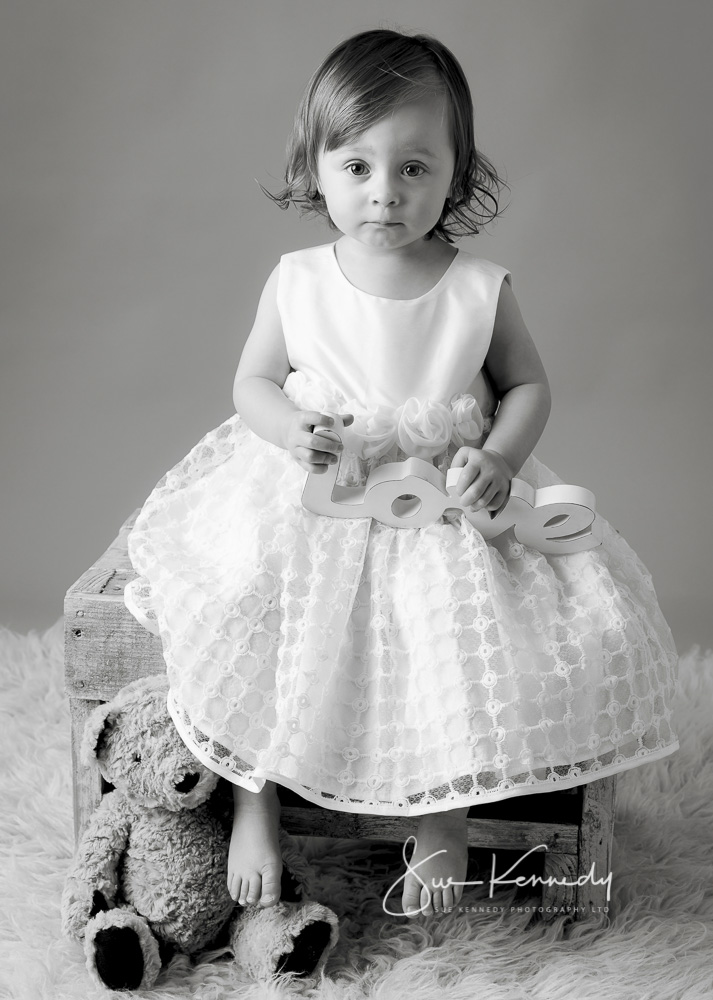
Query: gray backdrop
[{"x": 135, "y": 242}]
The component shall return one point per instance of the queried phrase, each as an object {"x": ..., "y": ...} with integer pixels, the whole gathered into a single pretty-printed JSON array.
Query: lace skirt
[{"x": 387, "y": 670}]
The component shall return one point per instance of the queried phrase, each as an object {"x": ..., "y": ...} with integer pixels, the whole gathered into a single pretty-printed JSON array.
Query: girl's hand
[
  {"x": 485, "y": 479},
  {"x": 313, "y": 451}
]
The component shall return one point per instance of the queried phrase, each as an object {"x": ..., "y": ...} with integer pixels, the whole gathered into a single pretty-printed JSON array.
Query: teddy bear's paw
[
  {"x": 286, "y": 938},
  {"x": 121, "y": 951},
  {"x": 307, "y": 949}
]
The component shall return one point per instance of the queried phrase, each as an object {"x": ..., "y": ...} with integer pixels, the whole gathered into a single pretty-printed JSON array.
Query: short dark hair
[{"x": 357, "y": 85}]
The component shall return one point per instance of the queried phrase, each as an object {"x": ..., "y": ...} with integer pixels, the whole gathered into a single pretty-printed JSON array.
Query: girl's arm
[
  {"x": 515, "y": 367},
  {"x": 258, "y": 395}
]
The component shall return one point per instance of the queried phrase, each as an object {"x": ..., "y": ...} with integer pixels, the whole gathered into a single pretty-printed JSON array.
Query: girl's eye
[
  {"x": 413, "y": 169},
  {"x": 357, "y": 169}
]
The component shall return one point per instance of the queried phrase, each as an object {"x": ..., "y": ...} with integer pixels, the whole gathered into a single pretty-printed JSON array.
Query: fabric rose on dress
[
  {"x": 467, "y": 419},
  {"x": 424, "y": 428},
  {"x": 311, "y": 393},
  {"x": 373, "y": 432}
]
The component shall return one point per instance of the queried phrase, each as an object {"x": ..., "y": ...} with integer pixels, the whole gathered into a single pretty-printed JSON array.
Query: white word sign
[{"x": 555, "y": 520}]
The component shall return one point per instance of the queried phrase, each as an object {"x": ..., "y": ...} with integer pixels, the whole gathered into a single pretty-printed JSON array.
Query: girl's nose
[{"x": 384, "y": 191}]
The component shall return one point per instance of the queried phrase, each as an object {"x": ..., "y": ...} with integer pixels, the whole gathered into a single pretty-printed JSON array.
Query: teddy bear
[{"x": 149, "y": 876}]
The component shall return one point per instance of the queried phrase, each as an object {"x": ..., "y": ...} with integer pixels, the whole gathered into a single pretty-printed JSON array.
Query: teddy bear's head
[{"x": 139, "y": 751}]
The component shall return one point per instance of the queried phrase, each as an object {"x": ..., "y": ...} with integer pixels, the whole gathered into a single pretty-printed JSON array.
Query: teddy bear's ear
[
  {"x": 104, "y": 718},
  {"x": 96, "y": 731}
]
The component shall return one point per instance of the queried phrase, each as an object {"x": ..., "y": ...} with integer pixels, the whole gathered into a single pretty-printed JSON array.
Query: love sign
[{"x": 555, "y": 520}]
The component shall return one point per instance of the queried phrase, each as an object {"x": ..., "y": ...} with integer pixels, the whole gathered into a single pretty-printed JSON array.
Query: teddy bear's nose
[{"x": 190, "y": 781}]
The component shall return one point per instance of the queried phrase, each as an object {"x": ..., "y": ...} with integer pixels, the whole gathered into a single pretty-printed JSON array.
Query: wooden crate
[{"x": 106, "y": 648}]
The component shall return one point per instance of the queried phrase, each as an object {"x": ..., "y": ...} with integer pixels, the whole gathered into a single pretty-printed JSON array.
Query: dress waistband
[{"x": 421, "y": 428}]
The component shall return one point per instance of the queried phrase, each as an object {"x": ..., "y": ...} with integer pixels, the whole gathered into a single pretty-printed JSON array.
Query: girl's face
[{"x": 386, "y": 188}]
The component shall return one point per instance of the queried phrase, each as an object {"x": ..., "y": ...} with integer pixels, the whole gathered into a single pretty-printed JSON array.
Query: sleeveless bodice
[{"x": 383, "y": 351}]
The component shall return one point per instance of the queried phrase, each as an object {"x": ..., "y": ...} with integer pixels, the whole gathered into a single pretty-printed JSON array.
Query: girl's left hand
[{"x": 485, "y": 479}]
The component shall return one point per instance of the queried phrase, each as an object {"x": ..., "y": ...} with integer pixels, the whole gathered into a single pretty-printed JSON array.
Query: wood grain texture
[
  {"x": 104, "y": 646},
  {"x": 596, "y": 832},
  {"x": 86, "y": 781},
  {"x": 560, "y": 868},
  {"x": 559, "y": 838}
]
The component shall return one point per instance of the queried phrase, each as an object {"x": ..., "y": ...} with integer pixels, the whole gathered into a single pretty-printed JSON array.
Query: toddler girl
[{"x": 374, "y": 669}]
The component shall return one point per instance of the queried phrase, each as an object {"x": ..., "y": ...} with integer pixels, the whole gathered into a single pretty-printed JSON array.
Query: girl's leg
[
  {"x": 254, "y": 859},
  {"x": 442, "y": 835}
]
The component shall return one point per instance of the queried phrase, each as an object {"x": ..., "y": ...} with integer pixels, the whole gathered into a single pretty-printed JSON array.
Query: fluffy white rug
[{"x": 659, "y": 944}]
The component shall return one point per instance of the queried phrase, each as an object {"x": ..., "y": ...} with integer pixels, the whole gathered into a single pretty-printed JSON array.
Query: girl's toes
[
  {"x": 426, "y": 901},
  {"x": 244, "y": 890},
  {"x": 411, "y": 901},
  {"x": 271, "y": 884},
  {"x": 253, "y": 893},
  {"x": 447, "y": 900},
  {"x": 234, "y": 886}
]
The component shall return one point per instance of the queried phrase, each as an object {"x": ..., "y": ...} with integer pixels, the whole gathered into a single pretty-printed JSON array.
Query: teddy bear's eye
[{"x": 137, "y": 758}]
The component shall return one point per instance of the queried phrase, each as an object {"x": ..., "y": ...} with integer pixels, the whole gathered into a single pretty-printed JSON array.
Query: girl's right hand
[{"x": 312, "y": 450}]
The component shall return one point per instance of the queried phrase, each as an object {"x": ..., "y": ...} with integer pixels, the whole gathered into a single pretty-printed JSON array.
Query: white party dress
[{"x": 391, "y": 670}]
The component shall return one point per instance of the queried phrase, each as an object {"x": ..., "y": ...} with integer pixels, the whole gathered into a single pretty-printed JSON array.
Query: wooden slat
[
  {"x": 560, "y": 868},
  {"x": 105, "y": 647},
  {"x": 559, "y": 838},
  {"x": 595, "y": 840},
  {"x": 86, "y": 781},
  {"x": 115, "y": 557}
]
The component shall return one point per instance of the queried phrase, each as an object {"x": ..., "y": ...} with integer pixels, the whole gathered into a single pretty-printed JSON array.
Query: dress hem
[{"x": 256, "y": 784}]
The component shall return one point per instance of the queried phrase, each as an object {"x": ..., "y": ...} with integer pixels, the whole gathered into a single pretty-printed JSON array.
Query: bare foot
[
  {"x": 254, "y": 859},
  {"x": 442, "y": 835}
]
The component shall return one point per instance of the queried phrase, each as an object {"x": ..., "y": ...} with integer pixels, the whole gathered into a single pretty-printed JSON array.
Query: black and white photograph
[{"x": 356, "y": 637}]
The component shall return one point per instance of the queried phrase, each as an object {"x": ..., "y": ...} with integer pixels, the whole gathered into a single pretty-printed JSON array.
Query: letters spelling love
[{"x": 555, "y": 520}]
